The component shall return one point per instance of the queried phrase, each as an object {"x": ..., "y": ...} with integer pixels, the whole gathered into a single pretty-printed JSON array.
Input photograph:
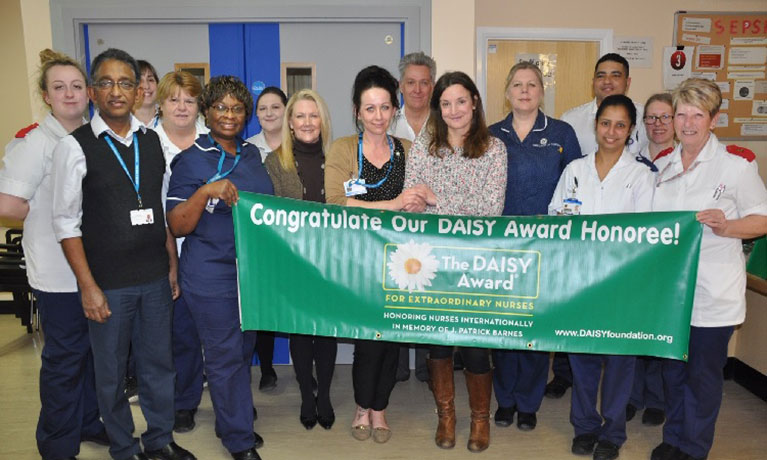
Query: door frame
[
  {"x": 69, "y": 17},
  {"x": 484, "y": 34}
]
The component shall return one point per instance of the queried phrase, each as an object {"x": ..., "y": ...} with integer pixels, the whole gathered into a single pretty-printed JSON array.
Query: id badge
[
  {"x": 211, "y": 205},
  {"x": 141, "y": 217},
  {"x": 353, "y": 187},
  {"x": 571, "y": 207}
]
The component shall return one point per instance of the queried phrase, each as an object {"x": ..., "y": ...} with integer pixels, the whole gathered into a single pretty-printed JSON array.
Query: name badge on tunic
[
  {"x": 354, "y": 187},
  {"x": 571, "y": 207},
  {"x": 141, "y": 217},
  {"x": 211, "y": 205}
]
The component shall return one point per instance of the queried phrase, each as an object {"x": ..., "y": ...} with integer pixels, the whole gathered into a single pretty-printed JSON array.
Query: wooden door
[{"x": 572, "y": 73}]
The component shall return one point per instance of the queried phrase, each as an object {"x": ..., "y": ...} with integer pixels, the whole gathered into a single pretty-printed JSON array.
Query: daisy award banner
[{"x": 617, "y": 284}]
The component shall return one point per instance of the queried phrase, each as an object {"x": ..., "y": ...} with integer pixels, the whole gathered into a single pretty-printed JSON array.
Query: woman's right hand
[{"x": 222, "y": 189}]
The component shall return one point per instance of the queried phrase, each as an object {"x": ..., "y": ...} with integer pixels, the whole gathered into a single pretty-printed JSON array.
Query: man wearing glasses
[{"x": 108, "y": 216}]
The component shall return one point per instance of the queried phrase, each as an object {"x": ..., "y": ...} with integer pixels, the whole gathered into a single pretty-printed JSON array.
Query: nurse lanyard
[
  {"x": 137, "y": 179},
  {"x": 359, "y": 162},
  {"x": 220, "y": 175}
]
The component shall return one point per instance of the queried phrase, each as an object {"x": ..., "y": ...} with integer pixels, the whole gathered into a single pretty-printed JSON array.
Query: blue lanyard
[
  {"x": 219, "y": 175},
  {"x": 359, "y": 163},
  {"x": 137, "y": 180}
]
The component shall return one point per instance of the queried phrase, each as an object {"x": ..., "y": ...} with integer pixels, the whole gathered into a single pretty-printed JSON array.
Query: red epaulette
[
  {"x": 742, "y": 152},
  {"x": 663, "y": 153},
  {"x": 22, "y": 133}
]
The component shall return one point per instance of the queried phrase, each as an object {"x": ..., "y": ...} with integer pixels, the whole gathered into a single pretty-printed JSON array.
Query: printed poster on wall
[
  {"x": 677, "y": 65},
  {"x": 548, "y": 65},
  {"x": 709, "y": 57}
]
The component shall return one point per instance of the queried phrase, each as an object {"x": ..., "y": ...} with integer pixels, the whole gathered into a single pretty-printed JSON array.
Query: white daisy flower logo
[{"x": 412, "y": 266}]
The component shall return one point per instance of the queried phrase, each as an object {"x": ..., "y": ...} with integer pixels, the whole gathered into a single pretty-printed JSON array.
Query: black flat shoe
[
  {"x": 557, "y": 387},
  {"x": 170, "y": 451},
  {"x": 258, "y": 442},
  {"x": 504, "y": 416},
  {"x": 583, "y": 444},
  {"x": 526, "y": 421},
  {"x": 101, "y": 438},
  {"x": 606, "y": 450},
  {"x": 631, "y": 411},
  {"x": 184, "y": 420},
  {"x": 249, "y": 454},
  {"x": 653, "y": 417},
  {"x": 326, "y": 422},
  {"x": 268, "y": 380},
  {"x": 665, "y": 451}
]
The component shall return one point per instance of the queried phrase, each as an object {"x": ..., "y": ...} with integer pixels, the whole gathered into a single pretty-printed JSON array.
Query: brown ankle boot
[
  {"x": 480, "y": 387},
  {"x": 442, "y": 386}
]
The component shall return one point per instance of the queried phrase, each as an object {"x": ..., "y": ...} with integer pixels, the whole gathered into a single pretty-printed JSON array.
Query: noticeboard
[{"x": 731, "y": 49}]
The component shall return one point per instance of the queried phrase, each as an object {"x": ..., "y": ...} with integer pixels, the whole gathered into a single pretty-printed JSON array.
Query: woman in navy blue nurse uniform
[
  {"x": 204, "y": 184},
  {"x": 539, "y": 147}
]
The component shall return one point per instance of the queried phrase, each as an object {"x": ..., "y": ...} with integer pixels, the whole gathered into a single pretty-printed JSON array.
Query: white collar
[{"x": 99, "y": 126}]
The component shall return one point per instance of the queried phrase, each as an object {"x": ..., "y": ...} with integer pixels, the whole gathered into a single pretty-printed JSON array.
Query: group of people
[{"x": 128, "y": 219}]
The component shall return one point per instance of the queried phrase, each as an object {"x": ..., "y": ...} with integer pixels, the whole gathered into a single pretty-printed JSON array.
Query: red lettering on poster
[{"x": 718, "y": 27}]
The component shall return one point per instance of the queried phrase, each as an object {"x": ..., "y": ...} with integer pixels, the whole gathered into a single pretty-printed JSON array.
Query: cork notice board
[{"x": 731, "y": 49}]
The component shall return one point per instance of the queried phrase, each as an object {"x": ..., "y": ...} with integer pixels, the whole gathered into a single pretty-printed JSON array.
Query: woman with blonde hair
[
  {"x": 297, "y": 171},
  {"x": 538, "y": 149},
  {"x": 69, "y": 413},
  {"x": 722, "y": 184},
  {"x": 178, "y": 95}
]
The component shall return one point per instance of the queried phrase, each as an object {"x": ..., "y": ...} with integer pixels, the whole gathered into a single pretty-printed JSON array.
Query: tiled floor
[{"x": 741, "y": 431}]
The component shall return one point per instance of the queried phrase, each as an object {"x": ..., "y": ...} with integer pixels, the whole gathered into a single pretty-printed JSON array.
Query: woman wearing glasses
[
  {"x": 205, "y": 182},
  {"x": 647, "y": 392},
  {"x": 658, "y": 116}
]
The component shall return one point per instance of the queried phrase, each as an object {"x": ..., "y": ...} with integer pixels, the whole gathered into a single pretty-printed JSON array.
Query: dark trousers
[
  {"x": 187, "y": 357},
  {"x": 421, "y": 352},
  {"x": 374, "y": 371},
  {"x": 693, "y": 391},
  {"x": 648, "y": 383},
  {"x": 519, "y": 379},
  {"x": 307, "y": 352},
  {"x": 616, "y": 387},
  {"x": 227, "y": 364},
  {"x": 141, "y": 315},
  {"x": 68, "y": 405},
  {"x": 265, "y": 349},
  {"x": 560, "y": 366},
  {"x": 475, "y": 360}
]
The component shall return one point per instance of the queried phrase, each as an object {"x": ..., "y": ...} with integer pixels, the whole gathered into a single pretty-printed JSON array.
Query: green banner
[{"x": 617, "y": 284}]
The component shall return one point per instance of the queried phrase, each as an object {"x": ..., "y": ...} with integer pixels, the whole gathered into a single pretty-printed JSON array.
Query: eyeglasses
[
  {"x": 125, "y": 85},
  {"x": 222, "y": 109},
  {"x": 652, "y": 119}
]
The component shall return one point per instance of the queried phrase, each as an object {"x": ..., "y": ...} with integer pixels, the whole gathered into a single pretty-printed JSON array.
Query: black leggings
[
  {"x": 475, "y": 360},
  {"x": 309, "y": 351},
  {"x": 374, "y": 372}
]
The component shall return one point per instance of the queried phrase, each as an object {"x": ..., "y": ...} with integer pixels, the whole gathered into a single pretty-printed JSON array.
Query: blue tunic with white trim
[{"x": 536, "y": 163}]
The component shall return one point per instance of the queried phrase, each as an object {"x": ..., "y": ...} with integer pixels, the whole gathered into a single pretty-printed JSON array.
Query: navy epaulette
[{"x": 647, "y": 163}]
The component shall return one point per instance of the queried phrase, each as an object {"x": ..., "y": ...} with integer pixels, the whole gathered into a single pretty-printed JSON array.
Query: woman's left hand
[{"x": 715, "y": 219}]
